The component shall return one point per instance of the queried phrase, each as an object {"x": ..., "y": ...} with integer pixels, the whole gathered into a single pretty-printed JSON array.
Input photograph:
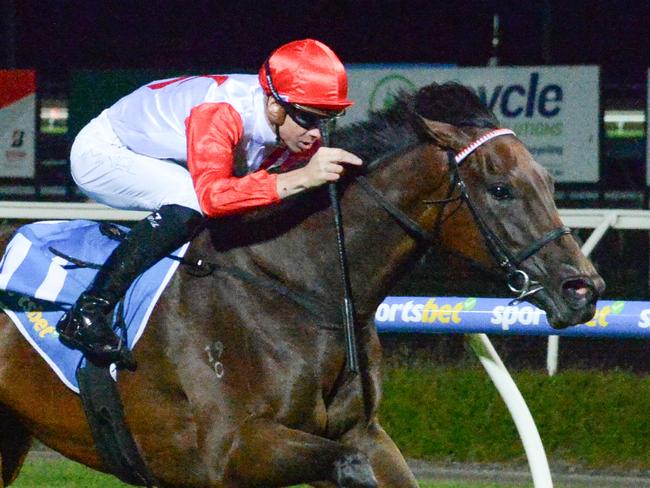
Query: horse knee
[{"x": 354, "y": 471}]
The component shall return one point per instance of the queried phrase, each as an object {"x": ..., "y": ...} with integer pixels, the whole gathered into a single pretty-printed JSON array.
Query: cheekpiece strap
[{"x": 460, "y": 156}]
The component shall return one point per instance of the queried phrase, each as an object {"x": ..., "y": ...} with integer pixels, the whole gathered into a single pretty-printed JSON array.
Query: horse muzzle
[{"x": 577, "y": 301}]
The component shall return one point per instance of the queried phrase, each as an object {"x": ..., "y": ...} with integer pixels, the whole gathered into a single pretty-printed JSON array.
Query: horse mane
[
  {"x": 454, "y": 104},
  {"x": 385, "y": 132},
  {"x": 401, "y": 126}
]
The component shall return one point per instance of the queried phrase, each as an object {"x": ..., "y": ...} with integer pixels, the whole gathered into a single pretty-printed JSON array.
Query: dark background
[{"x": 57, "y": 36}]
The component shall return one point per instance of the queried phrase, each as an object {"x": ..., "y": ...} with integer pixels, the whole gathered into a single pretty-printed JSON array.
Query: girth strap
[{"x": 113, "y": 440}]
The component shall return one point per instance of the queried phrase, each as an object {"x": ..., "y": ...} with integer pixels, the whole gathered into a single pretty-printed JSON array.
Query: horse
[{"x": 242, "y": 377}]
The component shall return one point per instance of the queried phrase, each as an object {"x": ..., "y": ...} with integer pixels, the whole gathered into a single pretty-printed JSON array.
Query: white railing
[
  {"x": 601, "y": 220},
  {"x": 64, "y": 211},
  {"x": 575, "y": 218},
  {"x": 591, "y": 218}
]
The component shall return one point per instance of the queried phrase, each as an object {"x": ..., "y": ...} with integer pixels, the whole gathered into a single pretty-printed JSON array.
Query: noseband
[{"x": 517, "y": 280}]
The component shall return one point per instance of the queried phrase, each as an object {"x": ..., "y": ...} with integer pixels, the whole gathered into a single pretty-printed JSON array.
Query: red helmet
[{"x": 307, "y": 72}]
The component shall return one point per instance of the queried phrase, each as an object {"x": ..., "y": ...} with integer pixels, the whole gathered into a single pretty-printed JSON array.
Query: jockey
[{"x": 170, "y": 147}]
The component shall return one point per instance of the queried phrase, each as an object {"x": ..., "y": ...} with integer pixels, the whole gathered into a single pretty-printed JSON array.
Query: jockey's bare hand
[{"x": 325, "y": 166}]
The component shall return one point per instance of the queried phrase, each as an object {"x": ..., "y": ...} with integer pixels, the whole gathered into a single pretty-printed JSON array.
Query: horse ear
[{"x": 447, "y": 136}]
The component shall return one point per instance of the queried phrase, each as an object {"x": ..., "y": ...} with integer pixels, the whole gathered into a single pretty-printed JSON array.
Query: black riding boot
[{"x": 88, "y": 326}]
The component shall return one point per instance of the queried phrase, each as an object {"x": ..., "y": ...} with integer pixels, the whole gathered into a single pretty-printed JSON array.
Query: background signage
[
  {"x": 17, "y": 123},
  {"x": 553, "y": 109},
  {"x": 647, "y": 125},
  {"x": 469, "y": 315}
]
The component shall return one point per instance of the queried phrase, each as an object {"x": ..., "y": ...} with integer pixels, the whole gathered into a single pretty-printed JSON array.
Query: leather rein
[{"x": 518, "y": 281}]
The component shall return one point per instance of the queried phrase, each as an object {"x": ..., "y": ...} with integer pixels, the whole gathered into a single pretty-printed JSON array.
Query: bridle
[{"x": 518, "y": 281}]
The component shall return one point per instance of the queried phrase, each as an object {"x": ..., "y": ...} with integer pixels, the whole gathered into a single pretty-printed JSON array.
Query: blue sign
[{"x": 467, "y": 315}]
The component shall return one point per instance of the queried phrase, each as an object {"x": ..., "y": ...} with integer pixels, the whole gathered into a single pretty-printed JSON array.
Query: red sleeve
[{"x": 213, "y": 131}]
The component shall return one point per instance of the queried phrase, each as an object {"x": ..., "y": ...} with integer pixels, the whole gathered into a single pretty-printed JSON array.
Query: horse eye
[{"x": 501, "y": 192}]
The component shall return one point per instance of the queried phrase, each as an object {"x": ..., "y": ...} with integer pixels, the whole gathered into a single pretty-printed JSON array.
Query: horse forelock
[{"x": 453, "y": 104}]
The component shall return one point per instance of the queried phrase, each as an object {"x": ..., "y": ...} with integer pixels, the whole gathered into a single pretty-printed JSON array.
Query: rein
[{"x": 517, "y": 279}]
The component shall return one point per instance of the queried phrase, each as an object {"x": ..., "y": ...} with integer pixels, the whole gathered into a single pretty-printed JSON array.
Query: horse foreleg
[
  {"x": 386, "y": 460},
  {"x": 269, "y": 454},
  {"x": 15, "y": 442}
]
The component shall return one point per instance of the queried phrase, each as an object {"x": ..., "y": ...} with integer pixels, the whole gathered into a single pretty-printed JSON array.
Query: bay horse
[{"x": 242, "y": 379}]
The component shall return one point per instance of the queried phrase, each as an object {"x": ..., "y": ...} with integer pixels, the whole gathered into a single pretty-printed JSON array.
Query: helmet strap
[
  {"x": 269, "y": 82},
  {"x": 276, "y": 115},
  {"x": 278, "y": 139}
]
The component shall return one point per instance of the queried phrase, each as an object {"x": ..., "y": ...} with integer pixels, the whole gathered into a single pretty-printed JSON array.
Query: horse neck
[
  {"x": 380, "y": 251},
  {"x": 306, "y": 259}
]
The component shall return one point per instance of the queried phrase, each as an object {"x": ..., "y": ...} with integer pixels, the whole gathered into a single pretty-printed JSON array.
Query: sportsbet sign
[
  {"x": 554, "y": 110},
  {"x": 613, "y": 318}
]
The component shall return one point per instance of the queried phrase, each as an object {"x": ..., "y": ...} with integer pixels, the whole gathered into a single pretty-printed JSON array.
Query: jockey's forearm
[
  {"x": 326, "y": 166},
  {"x": 293, "y": 182}
]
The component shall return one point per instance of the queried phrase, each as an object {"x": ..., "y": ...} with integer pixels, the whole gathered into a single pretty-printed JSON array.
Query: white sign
[
  {"x": 553, "y": 109},
  {"x": 647, "y": 134},
  {"x": 17, "y": 123}
]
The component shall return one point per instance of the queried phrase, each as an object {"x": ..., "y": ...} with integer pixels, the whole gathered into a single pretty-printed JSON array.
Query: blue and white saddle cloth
[{"x": 39, "y": 285}]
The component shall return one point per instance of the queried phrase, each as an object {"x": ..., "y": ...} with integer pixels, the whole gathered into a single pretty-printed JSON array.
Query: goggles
[{"x": 306, "y": 117}]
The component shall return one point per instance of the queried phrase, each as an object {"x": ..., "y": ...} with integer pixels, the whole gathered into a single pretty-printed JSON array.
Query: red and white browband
[{"x": 461, "y": 155}]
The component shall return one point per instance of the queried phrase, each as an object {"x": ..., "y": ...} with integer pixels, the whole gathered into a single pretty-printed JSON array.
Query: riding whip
[{"x": 351, "y": 354}]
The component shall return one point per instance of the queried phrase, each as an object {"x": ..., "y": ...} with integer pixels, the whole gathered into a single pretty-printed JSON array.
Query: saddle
[{"x": 47, "y": 265}]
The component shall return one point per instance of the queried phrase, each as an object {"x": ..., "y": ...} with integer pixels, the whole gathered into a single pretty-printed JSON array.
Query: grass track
[{"x": 58, "y": 473}]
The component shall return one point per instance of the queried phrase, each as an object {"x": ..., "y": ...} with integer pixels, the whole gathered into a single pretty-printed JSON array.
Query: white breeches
[{"x": 110, "y": 173}]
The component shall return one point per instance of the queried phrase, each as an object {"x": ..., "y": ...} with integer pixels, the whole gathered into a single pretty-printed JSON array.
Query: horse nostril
[{"x": 579, "y": 290}]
